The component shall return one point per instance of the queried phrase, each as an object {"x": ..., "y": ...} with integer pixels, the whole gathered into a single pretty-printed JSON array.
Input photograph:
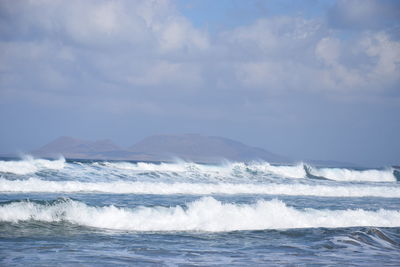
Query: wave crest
[
  {"x": 255, "y": 169},
  {"x": 29, "y": 165},
  {"x": 345, "y": 175},
  {"x": 205, "y": 214},
  {"x": 184, "y": 171},
  {"x": 226, "y": 169}
]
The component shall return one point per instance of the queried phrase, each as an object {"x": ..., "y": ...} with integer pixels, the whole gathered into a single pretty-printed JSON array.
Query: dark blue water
[{"x": 183, "y": 214}]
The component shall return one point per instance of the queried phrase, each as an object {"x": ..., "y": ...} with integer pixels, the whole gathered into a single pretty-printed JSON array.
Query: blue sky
[{"x": 307, "y": 79}]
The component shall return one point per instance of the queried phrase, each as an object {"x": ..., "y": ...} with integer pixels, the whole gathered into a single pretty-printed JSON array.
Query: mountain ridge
[{"x": 161, "y": 147}]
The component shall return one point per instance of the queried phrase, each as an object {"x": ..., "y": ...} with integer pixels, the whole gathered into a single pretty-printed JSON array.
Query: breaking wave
[
  {"x": 185, "y": 171},
  {"x": 341, "y": 174},
  {"x": 161, "y": 188},
  {"x": 227, "y": 169},
  {"x": 205, "y": 214},
  {"x": 231, "y": 169},
  {"x": 29, "y": 165},
  {"x": 255, "y": 170}
]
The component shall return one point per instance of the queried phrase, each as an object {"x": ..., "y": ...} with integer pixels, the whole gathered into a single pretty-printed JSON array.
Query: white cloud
[
  {"x": 387, "y": 53},
  {"x": 292, "y": 54},
  {"x": 177, "y": 33},
  {"x": 117, "y": 41},
  {"x": 146, "y": 48},
  {"x": 269, "y": 37},
  {"x": 167, "y": 74},
  {"x": 328, "y": 49}
]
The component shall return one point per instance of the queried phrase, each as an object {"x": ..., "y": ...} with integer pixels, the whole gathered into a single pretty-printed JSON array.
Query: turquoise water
[{"x": 57, "y": 212}]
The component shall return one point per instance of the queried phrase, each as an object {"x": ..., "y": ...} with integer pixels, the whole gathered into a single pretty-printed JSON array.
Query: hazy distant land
[
  {"x": 191, "y": 147},
  {"x": 168, "y": 148}
]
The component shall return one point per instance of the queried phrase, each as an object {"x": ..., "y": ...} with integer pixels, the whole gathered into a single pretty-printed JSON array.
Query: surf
[
  {"x": 30, "y": 165},
  {"x": 36, "y": 185},
  {"x": 348, "y": 175},
  {"x": 204, "y": 214},
  {"x": 191, "y": 171}
]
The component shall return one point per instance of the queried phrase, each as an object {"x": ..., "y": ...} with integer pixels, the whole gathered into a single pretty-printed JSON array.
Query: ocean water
[{"x": 70, "y": 212}]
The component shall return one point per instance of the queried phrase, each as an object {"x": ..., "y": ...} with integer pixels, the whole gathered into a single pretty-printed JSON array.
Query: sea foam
[
  {"x": 160, "y": 188},
  {"x": 251, "y": 170},
  {"x": 205, "y": 214},
  {"x": 184, "y": 171},
  {"x": 225, "y": 169},
  {"x": 342, "y": 174},
  {"x": 29, "y": 165}
]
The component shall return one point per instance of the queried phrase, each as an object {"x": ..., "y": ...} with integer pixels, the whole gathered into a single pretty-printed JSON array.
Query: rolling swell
[
  {"x": 370, "y": 238},
  {"x": 396, "y": 173},
  {"x": 204, "y": 214}
]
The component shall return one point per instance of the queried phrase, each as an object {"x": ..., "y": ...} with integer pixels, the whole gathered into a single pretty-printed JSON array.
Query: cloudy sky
[{"x": 307, "y": 79}]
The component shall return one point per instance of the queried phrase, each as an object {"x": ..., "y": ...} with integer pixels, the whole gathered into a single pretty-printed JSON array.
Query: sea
[{"x": 107, "y": 213}]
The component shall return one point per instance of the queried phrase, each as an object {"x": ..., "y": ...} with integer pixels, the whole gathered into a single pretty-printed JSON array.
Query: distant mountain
[
  {"x": 76, "y": 148},
  {"x": 197, "y": 147},
  {"x": 191, "y": 147}
]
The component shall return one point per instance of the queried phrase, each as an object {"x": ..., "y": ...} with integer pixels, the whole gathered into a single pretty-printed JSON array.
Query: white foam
[
  {"x": 239, "y": 171},
  {"x": 146, "y": 167},
  {"x": 30, "y": 165},
  {"x": 205, "y": 214},
  {"x": 160, "y": 188},
  {"x": 295, "y": 171},
  {"x": 226, "y": 170},
  {"x": 340, "y": 174},
  {"x": 185, "y": 171}
]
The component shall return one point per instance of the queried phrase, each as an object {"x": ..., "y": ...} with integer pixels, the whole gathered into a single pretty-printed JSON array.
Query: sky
[{"x": 306, "y": 79}]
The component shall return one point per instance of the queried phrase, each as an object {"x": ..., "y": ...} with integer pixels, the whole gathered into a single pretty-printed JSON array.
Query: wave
[
  {"x": 249, "y": 171},
  {"x": 181, "y": 170},
  {"x": 161, "y": 188},
  {"x": 205, "y": 214},
  {"x": 370, "y": 238},
  {"x": 29, "y": 165},
  {"x": 345, "y": 175},
  {"x": 227, "y": 169}
]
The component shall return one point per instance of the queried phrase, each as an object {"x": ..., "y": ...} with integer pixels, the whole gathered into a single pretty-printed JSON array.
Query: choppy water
[{"x": 57, "y": 212}]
